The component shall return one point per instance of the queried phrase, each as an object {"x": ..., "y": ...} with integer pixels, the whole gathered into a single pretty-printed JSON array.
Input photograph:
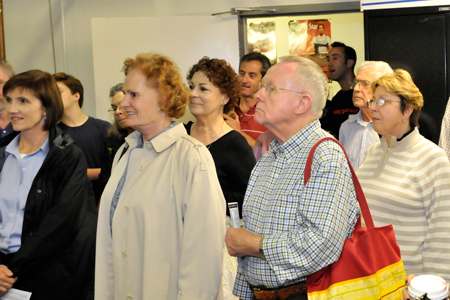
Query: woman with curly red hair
[{"x": 161, "y": 221}]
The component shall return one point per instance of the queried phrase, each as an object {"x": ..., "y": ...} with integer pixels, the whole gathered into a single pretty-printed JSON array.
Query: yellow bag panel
[{"x": 386, "y": 284}]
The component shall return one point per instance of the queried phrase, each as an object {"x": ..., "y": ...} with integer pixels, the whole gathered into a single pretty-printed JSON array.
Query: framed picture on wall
[
  {"x": 311, "y": 39},
  {"x": 261, "y": 37}
]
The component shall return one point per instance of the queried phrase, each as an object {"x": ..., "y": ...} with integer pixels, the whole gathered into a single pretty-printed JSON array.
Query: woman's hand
[
  {"x": 406, "y": 296},
  {"x": 6, "y": 280}
]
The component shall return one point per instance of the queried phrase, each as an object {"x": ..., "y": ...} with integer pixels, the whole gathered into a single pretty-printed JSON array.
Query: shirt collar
[
  {"x": 13, "y": 147},
  {"x": 406, "y": 142},
  {"x": 298, "y": 141},
  {"x": 358, "y": 118},
  {"x": 161, "y": 141},
  {"x": 238, "y": 110}
]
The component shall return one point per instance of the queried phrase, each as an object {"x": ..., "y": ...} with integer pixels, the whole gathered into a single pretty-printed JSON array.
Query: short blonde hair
[
  {"x": 164, "y": 75},
  {"x": 401, "y": 84}
]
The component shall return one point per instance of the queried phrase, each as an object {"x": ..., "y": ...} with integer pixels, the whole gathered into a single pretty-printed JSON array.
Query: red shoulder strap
[{"x": 359, "y": 192}]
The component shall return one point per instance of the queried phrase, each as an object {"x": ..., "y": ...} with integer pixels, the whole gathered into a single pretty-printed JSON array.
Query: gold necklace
[{"x": 216, "y": 135}]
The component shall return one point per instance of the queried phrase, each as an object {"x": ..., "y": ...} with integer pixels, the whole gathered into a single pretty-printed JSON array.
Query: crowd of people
[{"x": 145, "y": 208}]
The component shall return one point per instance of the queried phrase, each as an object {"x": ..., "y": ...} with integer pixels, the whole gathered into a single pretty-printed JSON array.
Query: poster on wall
[
  {"x": 311, "y": 39},
  {"x": 261, "y": 38}
]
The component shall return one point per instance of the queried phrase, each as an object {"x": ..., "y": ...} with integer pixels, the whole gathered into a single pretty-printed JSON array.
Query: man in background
[
  {"x": 88, "y": 133},
  {"x": 357, "y": 133},
  {"x": 341, "y": 65},
  {"x": 6, "y": 72},
  {"x": 252, "y": 68}
]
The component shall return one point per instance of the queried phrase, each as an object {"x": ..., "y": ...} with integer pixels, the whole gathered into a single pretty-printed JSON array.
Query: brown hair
[
  {"x": 43, "y": 86},
  {"x": 165, "y": 76},
  {"x": 222, "y": 75},
  {"x": 72, "y": 83},
  {"x": 401, "y": 84}
]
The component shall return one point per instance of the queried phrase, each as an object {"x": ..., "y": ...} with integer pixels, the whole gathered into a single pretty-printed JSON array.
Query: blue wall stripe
[{"x": 392, "y": 2}]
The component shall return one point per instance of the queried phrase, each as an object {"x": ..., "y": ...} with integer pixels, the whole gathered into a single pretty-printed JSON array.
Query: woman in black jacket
[{"x": 47, "y": 208}]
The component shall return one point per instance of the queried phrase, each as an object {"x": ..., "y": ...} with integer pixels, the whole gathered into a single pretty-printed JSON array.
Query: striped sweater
[{"x": 408, "y": 185}]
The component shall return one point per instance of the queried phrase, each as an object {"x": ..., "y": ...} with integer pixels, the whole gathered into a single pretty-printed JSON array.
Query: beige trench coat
[{"x": 169, "y": 225}]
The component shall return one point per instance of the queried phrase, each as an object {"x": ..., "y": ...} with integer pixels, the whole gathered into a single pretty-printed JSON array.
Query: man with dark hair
[
  {"x": 341, "y": 64},
  {"x": 88, "y": 133},
  {"x": 6, "y": 72},
  {"x": 253, "y": 66}
]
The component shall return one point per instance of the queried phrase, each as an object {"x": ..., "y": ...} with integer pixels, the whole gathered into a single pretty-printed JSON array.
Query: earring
[
  {"x": 45, "y": 117},
  {"x": 404, "y": 120}
]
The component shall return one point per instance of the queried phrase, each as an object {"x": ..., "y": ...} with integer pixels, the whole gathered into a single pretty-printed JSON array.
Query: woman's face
[
  {"x": 25, "y": 110},
  {"x": 387, "y": 120},
  {"x": 119, "y": 114},
  {"x": 206, "y": 98},
  {"x": 140, "y": 103}
]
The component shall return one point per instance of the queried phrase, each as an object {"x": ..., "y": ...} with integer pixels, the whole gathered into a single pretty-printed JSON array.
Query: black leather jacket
[{"x": 57, "y": 255}]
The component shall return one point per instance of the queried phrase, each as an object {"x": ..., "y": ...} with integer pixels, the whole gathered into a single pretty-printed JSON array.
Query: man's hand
[
  {"x": 236, "y": 125},
  {"x": 241, "y": 242},
  {"x": 6, "y": 280},
  {"x": 233, "y": 123}
]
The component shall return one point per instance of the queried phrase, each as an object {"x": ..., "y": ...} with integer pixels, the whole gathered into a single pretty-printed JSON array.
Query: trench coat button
[
  {"x": 126, "y": 207},
  {"x": 39, "y": 191},
  {"x": 124, "y": 253},
  {"x": 129, "y": 297},
  {"x": 141, "y": 167}
]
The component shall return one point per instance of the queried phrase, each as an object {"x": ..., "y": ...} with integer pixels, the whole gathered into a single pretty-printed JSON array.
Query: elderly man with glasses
[
  {"x": 292, "y": 230},
  {"x": 357, "y": 133}
]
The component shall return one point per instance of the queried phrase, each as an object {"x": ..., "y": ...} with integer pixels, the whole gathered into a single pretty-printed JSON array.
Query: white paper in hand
[{"x": 15, "y": 294}]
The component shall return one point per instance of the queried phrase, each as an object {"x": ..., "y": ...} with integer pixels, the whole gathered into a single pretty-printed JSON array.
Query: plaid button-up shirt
[{"x": 304, "y": 227}]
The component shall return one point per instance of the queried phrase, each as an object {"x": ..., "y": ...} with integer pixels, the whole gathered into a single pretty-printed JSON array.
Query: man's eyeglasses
[
  {"x": 363, "y": 83},
  {"x": 380, "y": 102},
  {"x": 114, "y": 108},
  {"x": 270, "y": 88}
]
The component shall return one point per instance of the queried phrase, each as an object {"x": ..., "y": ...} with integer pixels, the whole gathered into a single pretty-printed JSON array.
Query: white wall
[{"x": 28, "y": 34}]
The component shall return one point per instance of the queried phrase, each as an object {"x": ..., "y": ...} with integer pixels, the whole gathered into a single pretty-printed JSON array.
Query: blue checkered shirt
[{"x": 304, "y": 227}]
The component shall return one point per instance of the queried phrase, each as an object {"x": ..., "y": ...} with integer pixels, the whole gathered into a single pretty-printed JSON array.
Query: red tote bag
[{"x": 370, "y": 265}]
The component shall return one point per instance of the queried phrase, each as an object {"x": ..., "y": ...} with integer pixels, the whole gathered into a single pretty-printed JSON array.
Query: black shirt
[
  {"x": 90, "y": 137},
  {"x": 234, "y": 161},
  {"x": 337, "y": 112}
]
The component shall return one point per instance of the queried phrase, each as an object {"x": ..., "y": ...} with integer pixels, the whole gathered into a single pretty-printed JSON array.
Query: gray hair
[
  {"x": 115, "y": 89},
  {"x": 377, "y": 68},
  {"x": 7, "y": 67},
  {"x": 313, "y": 81}
]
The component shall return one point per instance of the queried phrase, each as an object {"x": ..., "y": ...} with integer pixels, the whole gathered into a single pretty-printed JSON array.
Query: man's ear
[
  {"x": 304, "y": 104},
  {"x": 350, "y": 63},
  {"x": 77, "y": 96}
]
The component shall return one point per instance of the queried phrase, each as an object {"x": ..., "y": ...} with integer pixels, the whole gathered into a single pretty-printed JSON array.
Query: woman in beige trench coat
[{"x": 162, "y": 215}]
